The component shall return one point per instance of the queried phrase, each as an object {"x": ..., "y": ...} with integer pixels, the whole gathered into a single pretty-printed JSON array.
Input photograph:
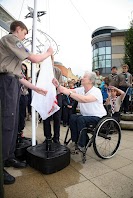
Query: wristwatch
[{"x": 70, "y": 92}]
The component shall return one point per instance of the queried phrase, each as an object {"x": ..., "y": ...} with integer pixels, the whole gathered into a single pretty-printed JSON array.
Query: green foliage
[{"x": 128, "y": 58}]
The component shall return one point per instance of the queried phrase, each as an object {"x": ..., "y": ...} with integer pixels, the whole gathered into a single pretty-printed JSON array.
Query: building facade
[
  {"x": 107, "y": 49},
  {"x": 66, "y": 72},
  {"x": 5, "y": 20}
]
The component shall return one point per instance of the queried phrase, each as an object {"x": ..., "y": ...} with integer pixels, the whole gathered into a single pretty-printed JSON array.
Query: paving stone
[{"x": 115, "y": 185}]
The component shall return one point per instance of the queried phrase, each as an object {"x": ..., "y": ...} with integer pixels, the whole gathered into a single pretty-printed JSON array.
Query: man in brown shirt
[
  {"x": 113, "y": 78},
  {"x": 125, "y": 83},
  {"x": 12, "y": 53}
]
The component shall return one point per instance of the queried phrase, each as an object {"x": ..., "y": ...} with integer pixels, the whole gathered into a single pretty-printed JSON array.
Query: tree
[{"x": 128, "y": 58}]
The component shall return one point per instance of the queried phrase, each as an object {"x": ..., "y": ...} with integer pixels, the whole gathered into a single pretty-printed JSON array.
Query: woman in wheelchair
[
  {"x": 91, "y": 106},
  {"x": 115, "y": 98}
]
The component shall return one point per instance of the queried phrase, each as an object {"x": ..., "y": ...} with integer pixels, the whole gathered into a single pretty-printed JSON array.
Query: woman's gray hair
[{"x": 92, "y": 76}]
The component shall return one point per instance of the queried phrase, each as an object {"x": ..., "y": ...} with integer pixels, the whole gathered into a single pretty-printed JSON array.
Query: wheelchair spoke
[{"x": 107, "y": 138}]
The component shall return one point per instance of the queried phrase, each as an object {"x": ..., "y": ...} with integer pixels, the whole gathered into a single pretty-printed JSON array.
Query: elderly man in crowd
[{"x": 91, "y": 107}]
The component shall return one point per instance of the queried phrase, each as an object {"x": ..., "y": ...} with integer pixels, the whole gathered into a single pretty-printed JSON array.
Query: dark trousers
[
  {"x": 56, "y": 122},
  {"x": 29, "y": 101},
  {"x": 77, "y": 123},
  {"x": 9, "y": 96},
  {"x": 116, "y": 116},
  {"x": 67, "y": 112},
  {"x": 22, "y": 112},
  {"x": 56, "y": 125},
  {"x": 125, "y": 103}
]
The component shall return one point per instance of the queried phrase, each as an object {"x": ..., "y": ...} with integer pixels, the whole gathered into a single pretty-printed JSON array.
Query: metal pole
[
  {"x": 34, "y": 71},
  {"x": 1, "y": 161}
]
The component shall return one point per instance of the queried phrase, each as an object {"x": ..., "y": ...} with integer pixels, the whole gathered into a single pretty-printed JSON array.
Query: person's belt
[{"x": 8, "y": 74}]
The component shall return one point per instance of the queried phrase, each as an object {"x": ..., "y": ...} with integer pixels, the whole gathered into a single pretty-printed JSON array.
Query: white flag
[{"x": 45, "y": 105}]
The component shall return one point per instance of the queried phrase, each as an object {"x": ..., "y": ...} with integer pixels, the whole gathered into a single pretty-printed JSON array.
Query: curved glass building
[{"x": 107, "y": 49}]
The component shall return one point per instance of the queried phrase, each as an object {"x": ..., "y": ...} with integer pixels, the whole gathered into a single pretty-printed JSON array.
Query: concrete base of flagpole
[{"x": 48, "y": 161}]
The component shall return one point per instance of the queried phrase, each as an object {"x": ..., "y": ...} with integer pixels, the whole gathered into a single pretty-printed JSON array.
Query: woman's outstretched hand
[{"x": 40, "y": 91}]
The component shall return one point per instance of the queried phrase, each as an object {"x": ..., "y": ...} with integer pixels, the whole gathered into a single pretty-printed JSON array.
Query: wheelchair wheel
[{"x": 107, "y": 137}]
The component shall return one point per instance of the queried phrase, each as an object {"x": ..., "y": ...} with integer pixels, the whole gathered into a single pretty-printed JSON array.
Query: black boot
[
  {"x": 14, "y": 163},
  {"x": 8, "y": 179}
]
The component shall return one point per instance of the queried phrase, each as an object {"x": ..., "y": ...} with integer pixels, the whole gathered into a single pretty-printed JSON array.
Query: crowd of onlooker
[
  {"x": 116, "y": 89},
  {"x": 114, "y": 82},
  {"x": 109, "y": 85},
  {"x": 122, "y": 80}
]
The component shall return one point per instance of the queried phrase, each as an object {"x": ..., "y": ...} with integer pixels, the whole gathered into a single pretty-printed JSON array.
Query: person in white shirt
[{"x": 91, "y": 106}]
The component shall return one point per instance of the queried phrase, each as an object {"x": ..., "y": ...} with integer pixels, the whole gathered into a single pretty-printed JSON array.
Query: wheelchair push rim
[{"x": 107, "y": 137}]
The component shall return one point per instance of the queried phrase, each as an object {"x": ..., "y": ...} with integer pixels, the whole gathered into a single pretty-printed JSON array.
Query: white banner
[{"x": 45, "y": 105}]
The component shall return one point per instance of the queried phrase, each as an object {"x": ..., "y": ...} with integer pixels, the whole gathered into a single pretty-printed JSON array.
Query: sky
[{"x": 71, "y": 23}]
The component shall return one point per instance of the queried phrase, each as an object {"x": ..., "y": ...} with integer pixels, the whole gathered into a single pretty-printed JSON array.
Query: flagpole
[{"x": 34, "y": 70}]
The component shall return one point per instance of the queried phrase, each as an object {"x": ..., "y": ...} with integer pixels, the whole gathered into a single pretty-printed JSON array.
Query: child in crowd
[{"x": 115, "y": 98}]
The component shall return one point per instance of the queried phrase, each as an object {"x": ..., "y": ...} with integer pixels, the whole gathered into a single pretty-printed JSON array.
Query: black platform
[{"x": 57, "y": 158}]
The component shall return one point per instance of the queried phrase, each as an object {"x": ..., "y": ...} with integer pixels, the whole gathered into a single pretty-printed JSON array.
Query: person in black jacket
[
  {"x": 57, "y": 115},
  {"x": 68, "y": 104}
]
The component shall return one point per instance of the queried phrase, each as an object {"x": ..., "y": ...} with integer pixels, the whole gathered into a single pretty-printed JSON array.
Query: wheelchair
[{"x": 104, "y": 136}]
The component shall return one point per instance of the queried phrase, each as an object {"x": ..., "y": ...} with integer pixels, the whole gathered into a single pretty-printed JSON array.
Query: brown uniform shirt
[
  {"x": 12, "y": 53},
  {"x": 113, "y": 80},
  {"x": 123, "y": 81}
]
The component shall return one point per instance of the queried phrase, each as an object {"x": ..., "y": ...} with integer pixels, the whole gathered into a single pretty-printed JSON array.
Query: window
[
  {"x": 102, "y": 56},
  {"x": 108, "y": 50},
  {"x": 108, "y": 56},
  {"x": 96, "y": 52},
  {"x": 95, "y": 58},
  {"x": 108, "y": 63},
  {"x": 102, "y": 64},
  {"x": 102, "y": 44},
  {"x": 101, "y": 50},
  {"x": 95, "y": 46},
  {"x": 95, "y": 64},
  {"x": 108, "y": 43}
]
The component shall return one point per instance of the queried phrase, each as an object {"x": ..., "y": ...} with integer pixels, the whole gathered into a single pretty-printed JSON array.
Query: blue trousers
[{"x": 77, "y": 123}]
